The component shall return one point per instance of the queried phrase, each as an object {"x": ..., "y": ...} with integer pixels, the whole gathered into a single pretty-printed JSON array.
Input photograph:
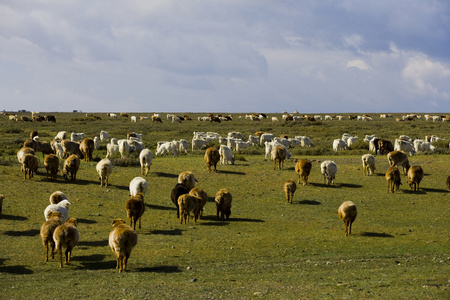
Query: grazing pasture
[{"x": 399, "y": 246}]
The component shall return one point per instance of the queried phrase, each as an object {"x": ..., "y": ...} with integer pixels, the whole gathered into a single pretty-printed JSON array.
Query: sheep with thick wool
[
  {"x": 47, "y": 230},
  {"x": 71, "y": 166},
  {"x": 138, "y": 185},
  {"x": 104, "y": 170},
  {"x": 289, "y": 189},
  {"x": 212, "y": 157},
  {"x": 200, "y": 193},
  {"x": 188, "y": 179},
  {"x": 329, "y": 170},
  {"x": 303, "y": 169},
  {"x": 145, "y": 158},
  {"x": 223, "y": 201},
  {"x": 135, "y": 208},
  {"x": 66, "y": 236},
  {"x": 57, "y": 197},
  {"x": 177, "y": 191},
  {"x": 188, "y": 203},
  {"x": 51, "y": 163},
  {"x": 122, "y": 240},
  {"x": 368, "y": 162},
  {"x": 415, "y": 176},
  {"x": 62, "y": 207},
  {"x": 347, "y": 212},
  {"x": 393, "y": 179}
]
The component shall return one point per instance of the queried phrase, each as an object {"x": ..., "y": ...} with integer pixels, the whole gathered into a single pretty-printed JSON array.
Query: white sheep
[
  {"x": 329, "y": 170},
  {"x": 347, "y": 212},
  {"x": 96, "y": 143},
  {"x": 145, "y": 158},
  {"x": 138, "y": 185},
  {"x": 167, "y": 147},
  {"x": 104, "y": 136},
  {"x": 368, "y": 162},
  {"x": 62, "y": 207},
  {"x": 104, "y": 169}
]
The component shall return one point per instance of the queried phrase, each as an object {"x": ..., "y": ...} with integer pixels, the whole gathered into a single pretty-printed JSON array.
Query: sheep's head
[
  {"x": 118, "y": 222},
  {"x": 64, "y": 203}
]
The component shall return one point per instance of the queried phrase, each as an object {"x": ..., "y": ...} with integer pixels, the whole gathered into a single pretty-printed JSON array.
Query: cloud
[{"x": 358, "y": 63}]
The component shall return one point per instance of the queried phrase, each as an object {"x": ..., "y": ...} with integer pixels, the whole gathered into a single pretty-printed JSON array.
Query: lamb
[
  {"x": 347, "y": 212},
  {"x": 223, "y": 204},
  {"x": 226, "y": 155},
  {"x": 104, "y": 169},
  {"x": 303, "y": 168},
  {"x": 289, "y": 189},
  {"x": 188, "y": 179},
  {"x": 198, "y": 192},
  {"x": 66, "y": 235},
  {"x": 57, "y": 197},
  {"x": 62, "y": 207},
  {"x": 122, "y": 240},
  {"x": 177, "y": 191},
  {"x": 368, "y": 162},
  {"x": 212, "y": 157},
  {"x": 138, "y": 185},
  {"x": 279, "y": 153},
  {"x": 145, "y": 158},
  {"x": 393, "y": 179},
  {"x": 135, "y": 208},
  {"x": 415, "y": 176},
  {"x": 329, "y": 170},
  {"x": 70, "y": 148},
  {"x": 399, "y": 159},
  {"x": 30, "y": 165},
  {"x": 71, "y": 166},
  {"x": 47, "y": 230},
  {"x": 51, "y": 163},
  {"x": 188, "y": 203}
]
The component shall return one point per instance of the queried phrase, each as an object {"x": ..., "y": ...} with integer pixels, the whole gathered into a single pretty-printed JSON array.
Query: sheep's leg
[
  {"x": 118, "y": 259},
  {"x": 60, "y": 257},
  {"x": 68, "y": 254},
  {"x": 139, "y": 223},
  {"x": 350, "y": 227},
  {"x": 275, "y": 164},
  {"x": 46, "y": 251},
  {"x": 52, "y": 249},
  {"x": 106, "y": 182},
  {"x": 345, "y": 228}
]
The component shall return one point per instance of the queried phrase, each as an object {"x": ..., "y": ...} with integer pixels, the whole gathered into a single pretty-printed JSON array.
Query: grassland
[{"x": 270, "y": 249}]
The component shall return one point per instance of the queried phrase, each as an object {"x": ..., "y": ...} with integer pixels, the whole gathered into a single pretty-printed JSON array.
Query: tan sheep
[
  {"x": 51, "y": 163},
  {"x": 45, "y": 148},
  {"x": 415, "y": 176},
  {"x": 71, "y": 166},
  {"x": 57, "y": 197},
  {"x": 393, "y": 179},
  {"x": 223, "y": 203},
  {"x": 212, "y": 157},
  {"x": 87, "y": 147},
  {"x": 135, "y": 208},
  {"x": 70, "y": 147},
  {"x": 289, "y": 189},
  {"x": 188, "y": 203},
  {"x": 399, "y": 159},
  {"x": 104, "y": 169},
  {"x": 368, "y": 162},
  {"x": 122, "y": 240},
  {"x": 47, "y": 230},
  {"x": 30, "y": 165},
  {"x": 303, "y": 169},
  {"x": 21, "y": 154},
  {"x": 347, "y": 212},
  {"x": 278, "y": 153},
  {"x": 200, "y": 193},
  {"x": 66, "y": 235},
  {"x": 188, "y": 179},
  {"x": 31, "y": 143}
]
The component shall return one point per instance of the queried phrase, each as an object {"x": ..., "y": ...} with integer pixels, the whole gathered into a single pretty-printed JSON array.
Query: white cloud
[{"x": 358, "y": 63}]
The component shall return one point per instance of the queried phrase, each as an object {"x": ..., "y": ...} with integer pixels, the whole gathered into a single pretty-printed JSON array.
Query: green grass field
[{"x": 399, "y": 247}]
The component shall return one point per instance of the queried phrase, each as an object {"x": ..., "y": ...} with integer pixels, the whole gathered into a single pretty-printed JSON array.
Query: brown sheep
[
  {"x": 212, "y": 157},
  {"x": 385, "y": 146},
  {"x": 198, "y": 192},
  {"x": 51, "y": 163},
  {"x": 57, "y": 197},
  {"x": 122, "y": 240},
  {"x": 303, "y": 168},
  {"x": 71, "y": 166},
  {"x": 87, "y": 147},
  {"x": 156, "y": 119},
  {"x": 347, "y": 212},
  {"x": 177, "y": 191},
  {"x": 187, "y": 204},
  {"x": 135, "y": 208},
  {"x": 398, "y": 158},
  {"x": 70, "y": 147},
  {"x": 45, "y": 148},
  {"x": 393, "y": 179},
  {"x": 30, "y": 165},
  {"x": 47, "y": 230},
  {"x": 31, "y": 144},
  {"x": 21, "y": 154},
  {"x": 289, "y": 189},
  {"x": 223, "y": 204},
  {"x": 278, "y": 153},
  {"x": 66, "y": 235},
  {"x": 33, "y": 133},
  {"x": 415, "y": 176},
  {"x": 188, "y": 179}
]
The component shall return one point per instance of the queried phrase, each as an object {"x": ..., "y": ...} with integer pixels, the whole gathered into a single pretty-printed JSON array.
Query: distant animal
[
  {"x": 399, "y": 159},
  {"x": 393, "y": 179},
  {"x": 368, "y": 162},
  {"x": 223, "y": 201},
  {"x": 47, "y": 230},
  {"x": 104, "y": 136},
  {"x": 289, "y": 189},
  {"x": 212, "y": 157},
  {"x": 62, "y": 135},
  {"x": 145, "y": 159},
  {"x": 415, "y": 176},
  {"x": 385, "y": 146},
  {"x": 303, "y": 169},
  {"x": 339, "y": 144},
  {"x": 76, "y": 137},
  {"x": 347, "y": 212},
  {"x": 329, "y": 170},
  {"x": 135, "y": 208},
  {"x": 104, "y": 169},
  {"x": 66, "y": 235},
  {"x": 279, "y": 153},
  {"x": 122, "y": 240}
]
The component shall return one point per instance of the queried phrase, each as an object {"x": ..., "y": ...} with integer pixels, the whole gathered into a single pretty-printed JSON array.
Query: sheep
[
  {"x": 279, "y": 153},
  {"x": 347, "y": 212},
  {"x": 76, "y": 137},
  {"x": 97, "y": 143},
  {"x": 329, "y": 170},
  {"x": 138, "y": 185},
  {"x": 226, "y": 155},
  {"x": 198, "y": 144},
  {"x": 368, "y": 162},
  {"x": 124, "y": 147},
  {"x": 1, "y": 203},
  {"x": 51, "y": 163},
  {"x": 133, "y": 119},
  {"x": 112, "y": 149},
  {"x": 266, "y": 137},
  {"x": 188, "y": 179},
  {"x": 62, "y": 135},
  {"x": 393, "y": 179},
  {"x": 188, "y": 203},
  {"x": 70, "y": 147},
  {"x": 62, "y": 207},
  {"x": 415, "y": 176},
  {"x": 167, "y": 147},
  {"x": 212, "y": 157},
  {"x": 131, "y": 135},
  {"x": 339, "y": 144},
  {"x": 404, "y": 146},
  {"x": 177, "y": 191},
  {"x": 104, "y": 169},
  {"x": 104, "y": 136},
  {"x": 289, "y": 189},
  {"x": 21, "y": 154},
  {"x": 87, "y": 147},
  {"x": 30, "y": 165},
  {"x": 122, "y": 240},
  {"x": 200, "y": 193},
  {"x": 32, "y": 144},
  {"x": 145, "y": 159},
  {"x": 303, "y": 168},
  {"x": 223, "y": 201},
  {"x": 71, "y": 166},
  {"x": 399, "y": 159},
  {"x": 57, "y": 197},
  {"x": 57, "y": 147},
  {"x": 45, "y": 148},
  {"x": 66, "y": 235},
  {"x": 385, "y": 146},
  {"x": 242, "y": 145},
  {"x": 47, "y": 230},
  {"x": 135, "y": 208}
]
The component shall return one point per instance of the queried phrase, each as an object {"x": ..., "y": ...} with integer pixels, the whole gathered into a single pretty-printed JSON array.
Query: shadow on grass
[
  {"x": 31, "y": 232},
  {"x": 168, "y": 175},
  {"x": 78, "y": 182},
  {"x": 160, "y": 269},
  {"x": 216, "y": 223},
  {"x": 245, "y": 220},
  {"x": 376, "y": 234},
  {"x": 89, "y": 258},
  {"x": 98, "y": 265},
  {"x": 101, "y": 243},
  {"x": 419, "y": 192},
  {"x": 120, "y": 187},
  {"x": 211, "y": 199},
  {"x": 434, "y": 190},
  {"x": 350, "y": 185},
  {"x": 19, "y": 270},
  {"x": 86, "y": 221},
  {"x": 230, "y": 172},
  {"x": 308, "y": 202},
  {"x": 160, "y": 207},
  {"x": 167, "y": 232},
  {"x": 15, "y": 218}
]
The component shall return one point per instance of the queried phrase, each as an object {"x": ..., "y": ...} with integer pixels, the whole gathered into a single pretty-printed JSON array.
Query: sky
[{"x": 225, "y": 56}]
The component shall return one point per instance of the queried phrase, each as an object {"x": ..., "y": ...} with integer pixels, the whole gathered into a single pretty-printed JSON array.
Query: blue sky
[{"x": 225, "y": 56}]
